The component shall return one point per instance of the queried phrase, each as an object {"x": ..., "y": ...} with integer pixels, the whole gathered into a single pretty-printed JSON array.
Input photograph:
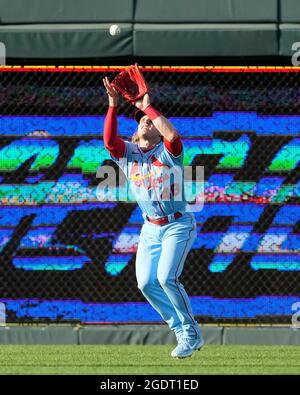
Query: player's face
[{"x": 146, "y": 128}]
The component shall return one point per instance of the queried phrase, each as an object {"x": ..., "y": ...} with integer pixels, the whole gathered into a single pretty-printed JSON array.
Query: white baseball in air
[{"x": 114, "y": 30}]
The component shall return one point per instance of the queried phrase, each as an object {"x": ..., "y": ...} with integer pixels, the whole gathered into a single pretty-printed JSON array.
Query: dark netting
[{"x": 66, "y": 256}]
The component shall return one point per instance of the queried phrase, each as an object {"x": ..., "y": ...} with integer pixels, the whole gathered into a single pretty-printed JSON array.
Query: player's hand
[
  {"x": 143, "y": 102},
  {"x": 111, "y": 92}
]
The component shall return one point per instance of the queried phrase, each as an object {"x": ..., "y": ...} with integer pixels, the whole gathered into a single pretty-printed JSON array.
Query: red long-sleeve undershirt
[
  {"x": 116, "y": 146},
  {"x": 113, "y": 143},
  {"x": 174, "y": 147}
]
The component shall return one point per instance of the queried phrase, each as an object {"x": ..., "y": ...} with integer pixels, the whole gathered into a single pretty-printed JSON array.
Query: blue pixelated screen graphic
[{"x": 73, "y": 255}]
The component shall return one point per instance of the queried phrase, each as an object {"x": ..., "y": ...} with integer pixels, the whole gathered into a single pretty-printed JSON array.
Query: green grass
[{"x": 131, "y": 360}]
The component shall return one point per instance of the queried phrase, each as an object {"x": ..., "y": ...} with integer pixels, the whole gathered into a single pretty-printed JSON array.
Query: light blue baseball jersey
[{"x": 156, "y": 179}]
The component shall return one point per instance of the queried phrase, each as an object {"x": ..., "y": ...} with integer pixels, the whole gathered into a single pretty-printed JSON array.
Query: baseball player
[{"x": 169, "y": 230}]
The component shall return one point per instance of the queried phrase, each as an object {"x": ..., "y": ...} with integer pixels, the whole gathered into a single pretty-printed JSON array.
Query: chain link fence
[{"x": 68, "y": 257}]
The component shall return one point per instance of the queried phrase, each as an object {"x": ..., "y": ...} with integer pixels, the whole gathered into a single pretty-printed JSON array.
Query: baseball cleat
[
  {"x": 186, "y": 347},
  {"x": 199, "y": 344}
]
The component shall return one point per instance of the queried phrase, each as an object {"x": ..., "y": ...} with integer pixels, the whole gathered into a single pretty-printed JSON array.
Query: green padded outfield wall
[
  {"x": 289, "y": 34},
  {"x": 205, "y": 40},
  {"x": 65, "y": 41},
  {"x": 289, "y": 11},
  {"x": 65, "y": 11},
  {"x": 66, "y": 29},
  {"x": 289, "y": 27},
  {"x": 204, "y": 11},
  {"x": 205, "y": 28}
]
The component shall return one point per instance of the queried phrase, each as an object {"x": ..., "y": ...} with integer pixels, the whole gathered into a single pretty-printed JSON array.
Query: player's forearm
[
  {"x": 113, "y": 143},
  {"x": 171, "y": 136},
  {"x": 112, "y": 101},
  {"x": 162, "y": 124}
]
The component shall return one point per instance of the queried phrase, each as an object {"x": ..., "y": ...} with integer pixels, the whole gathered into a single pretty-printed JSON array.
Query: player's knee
[
  {"x": 145, "y": 286},
  {"x": 166, "y": 282}
]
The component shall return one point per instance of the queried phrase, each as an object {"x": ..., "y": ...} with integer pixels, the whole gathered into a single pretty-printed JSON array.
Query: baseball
[{"x": 114, "y": 30}]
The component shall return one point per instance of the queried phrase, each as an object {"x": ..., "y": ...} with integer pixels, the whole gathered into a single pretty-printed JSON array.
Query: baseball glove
[{"x": 130, "y": 84}]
